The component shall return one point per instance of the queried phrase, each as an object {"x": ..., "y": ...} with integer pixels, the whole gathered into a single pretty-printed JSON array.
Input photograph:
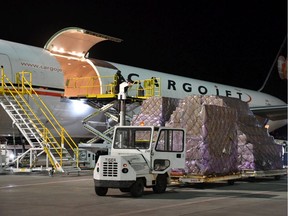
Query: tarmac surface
[{"x": 40, "y": 194}]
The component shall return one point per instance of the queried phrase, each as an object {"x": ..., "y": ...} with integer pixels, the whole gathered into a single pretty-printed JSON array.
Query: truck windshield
[{"x": 132, "y": 138}]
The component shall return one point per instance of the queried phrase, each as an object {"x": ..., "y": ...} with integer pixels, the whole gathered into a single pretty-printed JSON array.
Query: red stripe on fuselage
[{"x": 52, "y": 94}]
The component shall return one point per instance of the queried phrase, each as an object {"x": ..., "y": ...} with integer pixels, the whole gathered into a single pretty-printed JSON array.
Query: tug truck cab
[{"x": 141, "y": 156}]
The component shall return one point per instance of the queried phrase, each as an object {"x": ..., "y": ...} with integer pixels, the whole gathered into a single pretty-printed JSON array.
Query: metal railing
[
  {"x": 24, "y": 87},
  {"x": 91, "y": 87}
]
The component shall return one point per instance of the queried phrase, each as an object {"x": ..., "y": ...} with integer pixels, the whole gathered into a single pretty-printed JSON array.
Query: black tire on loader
[
  {"x": 137, "y": 188},
  {"x": 101, "y": 191},
  {"x": 161, "y": 184}
]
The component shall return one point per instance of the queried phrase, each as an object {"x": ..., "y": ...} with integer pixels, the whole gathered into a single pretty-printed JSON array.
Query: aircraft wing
[{"x": 273, "y": 113}]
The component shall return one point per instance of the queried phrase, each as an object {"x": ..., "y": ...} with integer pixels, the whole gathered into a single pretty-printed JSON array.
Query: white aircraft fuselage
[{"x": 53, "y": 73}]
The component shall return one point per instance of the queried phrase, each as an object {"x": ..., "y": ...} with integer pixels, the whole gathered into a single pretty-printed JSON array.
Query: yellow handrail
[
  {"x": 24, "y": 86},
  {"x": 151, "y": 87},
  {"x": 63, "y": 134}
]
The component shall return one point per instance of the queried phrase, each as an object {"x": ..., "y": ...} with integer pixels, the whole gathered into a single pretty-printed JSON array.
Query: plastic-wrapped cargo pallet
[
  {"x": 155, "y": 111},
  {"x": 223, "y": 135},
  {"x": 211, "y": 135},
  {"x": 257, "y": 150}
]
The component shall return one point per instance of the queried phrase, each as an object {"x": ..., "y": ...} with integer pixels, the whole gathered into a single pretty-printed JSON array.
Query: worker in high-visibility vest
[
  {"x": 140, "y": 90},
  {"x": 118, "y": 79}
]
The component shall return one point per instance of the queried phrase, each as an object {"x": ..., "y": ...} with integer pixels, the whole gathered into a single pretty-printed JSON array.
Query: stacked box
[
  {"x": 222, "y": 149},
  {"x": 155, "y": 111},
  {"x": 223, "y": 135},
  {"x": 257, "y": 150},
  {"x": 204, "y": 118},
  {"x": 186, "y": 116},
  {"x": 245, "y": 116},
  {"x": 207, "y": 153}
]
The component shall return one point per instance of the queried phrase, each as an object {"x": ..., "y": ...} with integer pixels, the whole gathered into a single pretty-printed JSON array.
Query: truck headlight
[{"x": 124, "y": 170}]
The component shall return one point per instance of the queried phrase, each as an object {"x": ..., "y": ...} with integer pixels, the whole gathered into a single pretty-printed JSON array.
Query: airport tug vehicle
[{"x": 141, "y": 156}]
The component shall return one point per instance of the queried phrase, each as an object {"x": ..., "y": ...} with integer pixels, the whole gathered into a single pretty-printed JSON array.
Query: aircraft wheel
[
  {"x": 101, "y": 191},
  {"x": 137, "y": 188},
  {"x": 161, "y": 184}
]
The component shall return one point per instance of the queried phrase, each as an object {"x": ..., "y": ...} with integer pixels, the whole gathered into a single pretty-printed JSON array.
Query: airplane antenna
[{"x": 270, "y": 71}]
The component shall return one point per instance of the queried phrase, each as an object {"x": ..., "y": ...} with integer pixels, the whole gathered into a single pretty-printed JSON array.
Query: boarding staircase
[{"x": 51, "y": 147}]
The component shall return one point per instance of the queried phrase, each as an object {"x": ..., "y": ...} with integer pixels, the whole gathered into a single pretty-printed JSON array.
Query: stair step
[{"x": 28, "y": 123}]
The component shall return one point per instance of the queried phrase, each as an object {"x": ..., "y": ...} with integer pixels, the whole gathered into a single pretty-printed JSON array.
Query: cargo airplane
[{"x": 62, "y": 72}]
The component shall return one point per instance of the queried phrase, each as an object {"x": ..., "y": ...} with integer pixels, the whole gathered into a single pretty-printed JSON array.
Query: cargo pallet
[
  {"x": 231, "y": 178},
  {"x": 190, "y": 179},
  {"x": 277, "y": 174}
]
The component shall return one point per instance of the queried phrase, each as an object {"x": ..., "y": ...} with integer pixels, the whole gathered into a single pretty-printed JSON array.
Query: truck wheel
[
  {"x": 137, "y": 188},
  {"x": 101, "y": 191},
  {"x": 161, "y": 184}
]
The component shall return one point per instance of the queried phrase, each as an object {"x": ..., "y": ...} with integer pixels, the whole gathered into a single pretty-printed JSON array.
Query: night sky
[{"x": 228, "y": 42}]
